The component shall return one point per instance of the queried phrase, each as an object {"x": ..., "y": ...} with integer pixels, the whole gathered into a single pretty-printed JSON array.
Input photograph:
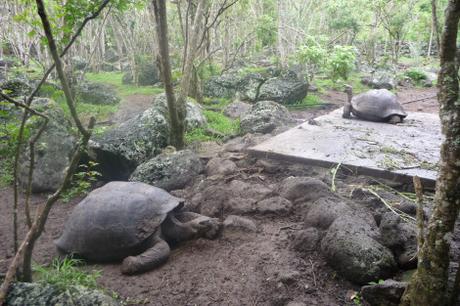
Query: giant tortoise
[
  {"x": 133, "y": 222},
  {"x": 379, "y": 105}
]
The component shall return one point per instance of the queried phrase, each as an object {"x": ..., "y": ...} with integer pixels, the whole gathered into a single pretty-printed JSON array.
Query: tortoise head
[{"x": 200, "y": 225}]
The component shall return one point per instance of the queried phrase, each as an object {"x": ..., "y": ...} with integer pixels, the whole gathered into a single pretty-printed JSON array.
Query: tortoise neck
[
  {"x": 174, "y": 230},
  {"x": 349, "y": 95}
]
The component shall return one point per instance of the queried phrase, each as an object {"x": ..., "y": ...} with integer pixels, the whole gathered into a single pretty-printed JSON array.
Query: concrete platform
[{"x": 396, "y": 152}]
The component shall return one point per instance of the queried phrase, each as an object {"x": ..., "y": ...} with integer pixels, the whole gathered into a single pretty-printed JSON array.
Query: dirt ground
[{"x": 239, "y": 268}]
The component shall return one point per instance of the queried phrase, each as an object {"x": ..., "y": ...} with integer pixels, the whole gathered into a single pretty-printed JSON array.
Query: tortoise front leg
[{"x": 153, "y": 257}]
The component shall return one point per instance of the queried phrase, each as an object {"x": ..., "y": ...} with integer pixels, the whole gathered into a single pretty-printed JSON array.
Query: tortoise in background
[
  {"x": 378, "y": 105},
  {"x": 133, "y": 222}
]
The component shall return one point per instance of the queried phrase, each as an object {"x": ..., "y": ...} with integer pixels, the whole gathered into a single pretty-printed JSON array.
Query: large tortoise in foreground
[
  {"x": 379, "y": 105},
  {"x": 133, "y": 222}
]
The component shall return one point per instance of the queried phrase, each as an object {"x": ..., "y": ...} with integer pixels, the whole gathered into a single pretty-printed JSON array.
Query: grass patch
[
  {"x": 65, "y": 273},
  {"x": 86, "y": 111},
  {"x": 217, "y": 122},
  {"x": 216, "y": 102},
  {"x": 354, "y": 80},
  {"x": 114, "y": 79},
  {"x": 309, "y": 101}
]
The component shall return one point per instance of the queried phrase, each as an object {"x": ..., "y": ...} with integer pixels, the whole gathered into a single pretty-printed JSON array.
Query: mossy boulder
[
  {"x": 96, "y": 93},
  {"x": 265, "y": 84},
  {"x": 53, "y": 150},
  {"x": 264, "y": 117},
  {"x": 194, "y": 118},
  {"x": 285, "y": 89},
  {"x": 169, "y": 171},
  {"x": 38, "y": 294},
  {"x": 16, "y": 87},
  {"x": 121, "y": 149},
  {"x": 350, "y": 250},
  {"x": 147, "y": 74}
]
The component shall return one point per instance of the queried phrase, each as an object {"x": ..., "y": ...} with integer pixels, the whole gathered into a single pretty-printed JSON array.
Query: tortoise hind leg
[
  {"x": 395, "y": 119},
  {"x": 151, "y": 258}
]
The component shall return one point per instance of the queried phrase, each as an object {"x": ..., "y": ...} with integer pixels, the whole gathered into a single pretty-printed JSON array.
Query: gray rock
[
  {"x": 224, "y": 86},
  {"x": 194, "y": 117},
  {"x": 288, "y": 277},
  {"x": 274, "y": 205},
  {"x": 138, "y": 139},
  {"x": 306, "y": 240},
  {"x": 264, "y": 117},
  {"x": 237, "y": 197},
  {"x": 388, "y": 293},
  {"x": 53, "y": 150},
  {"x": 121, "y": 149},
  {"x": 284, "y": 90},
  {"x": 220, "y": 166},
  {"x": 324, "y": 211},
  {"x": 303, "y": 189},
  {"x": 380, "y": 80},
  {"x": 169, "y": 171},
  {"x": 400, "y": 237},
  {"x": 16, "y": 87},
  {"x": 147, "y": 73},
  {"x": 96, "y": 93},
  {"x": 236, "y": 109},
  {"x": 348, "y": 248},
  {"x": 78, "y": 63},
  {"x": 38, "y": 294},
  {"x": 249, "y": 86},
  {"x": 268, "y": 166},
  {"x": 233, "y": 223},
  {"x": 430, "y": 79},
  {"x": 239, "y": 144}
]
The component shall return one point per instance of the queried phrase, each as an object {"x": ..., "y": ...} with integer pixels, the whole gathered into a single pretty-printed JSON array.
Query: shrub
[
  {"x": 312, "y": 56},
  {"x": 415, "y": 75},
  {"x": 341, "y": 62}
]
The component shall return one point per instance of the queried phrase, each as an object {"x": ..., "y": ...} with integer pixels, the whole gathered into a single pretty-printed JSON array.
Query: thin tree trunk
[
  {"x": 434, "y": 16},
  {"x": 177, "y": 127},
  {"x": 429, "y": 284}
]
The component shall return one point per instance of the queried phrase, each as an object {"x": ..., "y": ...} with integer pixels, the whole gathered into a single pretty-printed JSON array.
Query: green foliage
[
  {"x": 308, "y": 102},
  {"x": 81, "y": 181},
  {"x": 312, "y": 56},
  {"x": 208, "y": 70},
  {"x": 415, "y": 75},
  {"x": 342, "y": 16},
  {"x": 340, "y": 62},
  {"x": 217, "y": 122},
  {"x": 114, "y": 79},
  {"x": 9, "y": 133},
  {"x": 266, "y": 30},
  {"x": 354, "y": 79},
  {"x": 66, "y": 273}
]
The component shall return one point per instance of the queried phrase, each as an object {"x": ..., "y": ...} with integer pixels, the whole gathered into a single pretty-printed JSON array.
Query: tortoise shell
[
  {"x": 377, "y": 105},
  {"x": 116, "y": 220}
]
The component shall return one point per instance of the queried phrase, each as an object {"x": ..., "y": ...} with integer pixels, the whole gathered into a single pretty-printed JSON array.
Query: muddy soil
[{"x": 239, "y": 268}]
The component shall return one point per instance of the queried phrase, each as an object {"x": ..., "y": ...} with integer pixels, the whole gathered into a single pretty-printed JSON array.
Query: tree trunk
[
  {"x": 429, "y": 284},
  {"x": 176, "y": 121}
]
